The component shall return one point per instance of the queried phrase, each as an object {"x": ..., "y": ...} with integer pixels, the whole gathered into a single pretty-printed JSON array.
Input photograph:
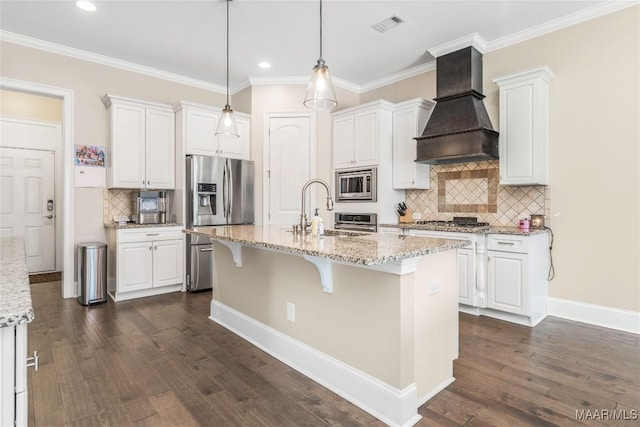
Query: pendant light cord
[
  {"x": 321, "y": 30},
  {"x": 228, "y": 52}
]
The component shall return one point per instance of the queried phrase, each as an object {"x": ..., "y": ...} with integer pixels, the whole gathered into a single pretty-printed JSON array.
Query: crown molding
[
  {"x": 301, "y": 80},
  {"x": 106, "y": 60},
  {"x": 560, "y": 23},
  {"x": 473, "y": 40},
  {"x": 399, "y": 76},
  {"x": 545, "y": 73}
]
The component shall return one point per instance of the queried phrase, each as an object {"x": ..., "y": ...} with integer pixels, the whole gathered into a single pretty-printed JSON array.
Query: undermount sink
[{"x": 343, "y": 233}]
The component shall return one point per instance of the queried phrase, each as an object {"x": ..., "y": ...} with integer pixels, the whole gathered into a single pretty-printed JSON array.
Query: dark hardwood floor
[{"x": 160, "y": 361}]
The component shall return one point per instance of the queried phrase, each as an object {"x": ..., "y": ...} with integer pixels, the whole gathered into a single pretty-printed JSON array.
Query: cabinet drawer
[
  {"x": 149, "y": 234},
  {"x": 507, "y": 243}
]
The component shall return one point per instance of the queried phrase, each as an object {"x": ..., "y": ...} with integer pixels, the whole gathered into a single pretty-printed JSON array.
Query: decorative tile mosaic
[
  {"x": 467, "y": 191},
  {"x": 472, "y": 189},
  {"x": 117, "y": 202}
]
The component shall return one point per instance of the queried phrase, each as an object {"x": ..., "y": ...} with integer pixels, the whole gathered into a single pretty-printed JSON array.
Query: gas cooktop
[{"x": 458, "y": 221}]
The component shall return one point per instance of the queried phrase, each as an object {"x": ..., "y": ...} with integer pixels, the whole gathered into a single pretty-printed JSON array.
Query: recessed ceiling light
[
  {"x": 264, "y": 64},
  {"x": 86, "y": 5}
]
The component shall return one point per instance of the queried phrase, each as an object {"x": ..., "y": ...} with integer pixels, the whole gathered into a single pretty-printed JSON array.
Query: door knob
[{"x": 47, "y": 216}]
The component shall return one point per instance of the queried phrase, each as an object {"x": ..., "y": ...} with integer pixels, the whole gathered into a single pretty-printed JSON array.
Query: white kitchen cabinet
[
  {"x": 361, "y": 133},
  {"x": 524, "y": 127},
  {"x": 13, "y": 375},
  {"x": 148, "y": 261},
  {"x": 409, "y": 120},
  {"x": 196, "y": 127},
  {"x": 141, "y": 144},
  {"x": 517, "y": 276}
]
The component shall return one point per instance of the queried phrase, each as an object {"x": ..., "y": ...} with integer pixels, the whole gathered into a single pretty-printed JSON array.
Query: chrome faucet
[{"x": 304, "y": 222}]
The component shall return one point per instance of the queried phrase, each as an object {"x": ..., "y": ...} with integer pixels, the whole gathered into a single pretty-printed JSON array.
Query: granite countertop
[
  {"x": 354, "y": 248},
  {"x": 515, "y": 231},
  {"x": 15, "y": 294},
  {"x": 434, "y": 227},
  {"x": 488, "y": 229},
  {"x": 134, "y": 225}
]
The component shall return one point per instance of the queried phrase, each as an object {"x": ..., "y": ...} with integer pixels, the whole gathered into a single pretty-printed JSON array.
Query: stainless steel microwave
[{"x": 356, "y": 185}]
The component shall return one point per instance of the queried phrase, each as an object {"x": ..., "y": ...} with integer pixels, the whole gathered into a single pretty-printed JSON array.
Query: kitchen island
[
  {"x": 373, "y": 317},
  {"x": 15, "y": 312}
]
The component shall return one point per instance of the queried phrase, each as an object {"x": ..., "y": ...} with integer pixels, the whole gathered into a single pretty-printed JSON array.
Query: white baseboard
[
  {"x": 390, "y": 405},
  {"x": 444, "y": 384},
  {"x": 599, "y": 315}
]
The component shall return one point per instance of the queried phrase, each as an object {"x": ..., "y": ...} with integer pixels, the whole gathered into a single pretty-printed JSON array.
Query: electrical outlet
[
  {"x": 291, "y": 312},
  {"x": 417, "y": 215},
  {"x": 434, "y": 287}
]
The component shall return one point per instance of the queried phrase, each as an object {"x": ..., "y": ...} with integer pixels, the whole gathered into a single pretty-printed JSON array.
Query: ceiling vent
[{"x": 388, "y": 24}]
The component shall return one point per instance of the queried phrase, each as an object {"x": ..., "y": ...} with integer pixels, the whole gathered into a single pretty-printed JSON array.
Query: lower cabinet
[
  {"x": 517, "y": 276},
  {"x": 148, "y": 261},
  {"x": 499, "y": 275},
  {"x": 13, "y": 375}
]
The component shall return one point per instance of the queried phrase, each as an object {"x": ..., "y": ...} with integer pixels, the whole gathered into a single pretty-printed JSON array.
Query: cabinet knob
[{"x": 150, "y": 248}]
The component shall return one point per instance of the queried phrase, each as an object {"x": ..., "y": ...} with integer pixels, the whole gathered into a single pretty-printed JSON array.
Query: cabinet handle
[
  {"x": 506, "y": 243},
  {"x": 156, "y": 248},
  {"x": 148, "y": 182},
  {"x": 34, "y": 361},
  {"x": 150, "y": 248},
  {"x": 153, "y": 234}
]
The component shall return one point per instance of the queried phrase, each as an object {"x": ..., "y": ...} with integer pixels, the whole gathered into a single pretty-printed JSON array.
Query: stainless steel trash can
[{"x": 92, "y": 272}]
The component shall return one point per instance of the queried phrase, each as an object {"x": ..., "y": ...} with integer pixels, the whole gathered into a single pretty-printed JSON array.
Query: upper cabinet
[
  {"x": 196, "y": 128},
  {"x": 409, "y": 120},
  {"x": 359, "y": 134},
  {"x": 141, "y": 144},
  {"x": 524, "y": 127}
]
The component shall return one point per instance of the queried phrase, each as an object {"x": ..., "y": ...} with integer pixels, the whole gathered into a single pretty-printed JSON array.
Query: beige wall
[
  {"x": 594, "y": 150},
  {"x": 29, "y": 106}
]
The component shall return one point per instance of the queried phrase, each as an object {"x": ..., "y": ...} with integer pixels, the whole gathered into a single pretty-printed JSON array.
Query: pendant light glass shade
[
  {"x": 227, "y": 123},
  {"x": 320, "y": 92}
]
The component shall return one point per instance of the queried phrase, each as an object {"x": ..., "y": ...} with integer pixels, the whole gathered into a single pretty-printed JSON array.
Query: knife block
[{"x": 407, "y": 218}]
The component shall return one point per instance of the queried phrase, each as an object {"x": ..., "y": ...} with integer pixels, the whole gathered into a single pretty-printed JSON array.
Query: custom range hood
[{"x": 459, "y": 129}]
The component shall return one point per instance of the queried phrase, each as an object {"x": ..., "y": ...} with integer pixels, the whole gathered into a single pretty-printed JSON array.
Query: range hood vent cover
[{"x": 459, "y": 129}]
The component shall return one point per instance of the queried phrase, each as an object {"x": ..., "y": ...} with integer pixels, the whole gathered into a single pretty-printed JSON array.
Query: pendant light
[
  {"x": 320, "y": 92},
  {"x": 227, "y": 123}
]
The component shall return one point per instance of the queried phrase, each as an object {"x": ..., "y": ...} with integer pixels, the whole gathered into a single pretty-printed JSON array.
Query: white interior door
[
  {"x": 26, "y": 187},
  {"x": 289, "y": 167}
]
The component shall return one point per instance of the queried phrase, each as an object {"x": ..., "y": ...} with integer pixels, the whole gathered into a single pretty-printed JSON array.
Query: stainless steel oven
[
  {"x": 356, "y": 185},
  {"x": 356, "y": 221}
]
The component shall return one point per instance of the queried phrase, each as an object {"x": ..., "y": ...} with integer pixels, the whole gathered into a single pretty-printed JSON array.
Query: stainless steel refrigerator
[{"x": 219, "y": 192}]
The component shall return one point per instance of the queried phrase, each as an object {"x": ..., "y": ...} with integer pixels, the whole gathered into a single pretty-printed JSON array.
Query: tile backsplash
[
  {"x": 117, "y": 202},
  {"x": 472, "y": 189}
]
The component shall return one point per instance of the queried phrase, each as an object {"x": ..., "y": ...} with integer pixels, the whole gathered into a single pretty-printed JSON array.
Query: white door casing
[
  {"x": 290, "y": 149},
  {"x": 26, "y": 185},
  {"x": 66, "y": 216}
]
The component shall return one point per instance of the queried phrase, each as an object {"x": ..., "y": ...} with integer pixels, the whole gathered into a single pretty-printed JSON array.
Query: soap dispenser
[{"x": 314, "y": 223}]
